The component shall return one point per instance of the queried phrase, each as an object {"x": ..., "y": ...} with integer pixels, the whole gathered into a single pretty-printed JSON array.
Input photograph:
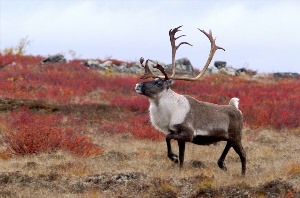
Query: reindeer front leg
[
  {"x": 182, "y": 136},
  {"x": 181, "y": 145},
  {"x": 171, "y": 155}
]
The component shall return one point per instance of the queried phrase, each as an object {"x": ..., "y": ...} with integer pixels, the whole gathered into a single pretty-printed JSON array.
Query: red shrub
[
  {"x": 79, "y": 144},
  {"x": 139, "y": 126},
  {"x": 31, "y": 134},
  {"x": 133, "y": 103},
  {"x": 264, "y": 103},
  {"x": 18, "y": 59}
]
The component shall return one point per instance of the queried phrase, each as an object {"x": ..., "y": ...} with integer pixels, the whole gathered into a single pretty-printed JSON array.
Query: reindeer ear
[{"x": 169, "y": 82}]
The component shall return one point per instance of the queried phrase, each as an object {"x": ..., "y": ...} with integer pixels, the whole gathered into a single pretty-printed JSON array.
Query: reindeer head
[
  {"x": 156, "y": 86},
  {"x": 162, "y": 83},
  {"x": 153, "y": 88}
]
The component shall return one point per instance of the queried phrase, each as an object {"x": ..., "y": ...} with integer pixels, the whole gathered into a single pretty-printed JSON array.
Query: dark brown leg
[
  {"x": 221, "y": 162},
  {"x": 181, "y": 145},
  {"x": 171, "y": 155},
  {"x": 241, "y": 152},
  {"x": 181, "y": 137}
]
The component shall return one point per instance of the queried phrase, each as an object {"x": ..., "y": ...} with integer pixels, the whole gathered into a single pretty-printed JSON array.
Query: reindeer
[{"x": 186, "y": 119}]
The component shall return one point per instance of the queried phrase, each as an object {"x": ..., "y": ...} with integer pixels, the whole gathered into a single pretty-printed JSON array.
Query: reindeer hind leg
[
  {"x": 242, "y": 154},
  {"x": 221, "y": 162}
]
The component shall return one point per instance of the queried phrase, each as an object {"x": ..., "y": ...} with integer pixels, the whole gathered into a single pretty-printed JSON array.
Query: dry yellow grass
[{"x": 271, "y": 156}]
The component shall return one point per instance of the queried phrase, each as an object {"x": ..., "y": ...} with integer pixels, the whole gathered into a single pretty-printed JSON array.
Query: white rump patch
[{"x": 234, "y": 102}]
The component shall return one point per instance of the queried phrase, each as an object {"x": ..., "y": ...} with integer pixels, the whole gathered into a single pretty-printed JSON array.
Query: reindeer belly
[
  {"x": 202, "y": 137},
  {"x": 207, "y": 140}
]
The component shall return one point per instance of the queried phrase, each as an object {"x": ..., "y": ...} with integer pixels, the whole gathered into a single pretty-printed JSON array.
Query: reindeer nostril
[{"x": 138, "y": 88}]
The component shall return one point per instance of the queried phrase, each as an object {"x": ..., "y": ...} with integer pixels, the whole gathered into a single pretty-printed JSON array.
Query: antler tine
[
  {"x": 142, "y": 61},
  {"x": 148, "y": 73},
  {"x": 162, "y": 70},
  {"x": 172, "y": 33},
  {"x": 213, "y": 49},
  {"x": 211, "y": 39}
]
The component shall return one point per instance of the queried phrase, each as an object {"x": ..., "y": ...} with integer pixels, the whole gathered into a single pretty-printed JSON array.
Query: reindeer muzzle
[{"x": 139, "y": 88}]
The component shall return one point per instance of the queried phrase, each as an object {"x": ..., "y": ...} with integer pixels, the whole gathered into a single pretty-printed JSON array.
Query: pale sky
[{"x": 262, "y": 35}]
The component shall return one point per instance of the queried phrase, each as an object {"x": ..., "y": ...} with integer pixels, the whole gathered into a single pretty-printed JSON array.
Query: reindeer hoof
[
  {"x": 173, "y": 157},
  {"x": 222, "y": 165}
]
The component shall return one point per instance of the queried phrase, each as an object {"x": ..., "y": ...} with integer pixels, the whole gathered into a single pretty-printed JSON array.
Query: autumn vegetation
[{"x": 71, "y": 109}]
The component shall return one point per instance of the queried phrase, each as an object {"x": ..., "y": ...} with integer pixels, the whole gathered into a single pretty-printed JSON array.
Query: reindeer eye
[{"x": 159, "y": 83}]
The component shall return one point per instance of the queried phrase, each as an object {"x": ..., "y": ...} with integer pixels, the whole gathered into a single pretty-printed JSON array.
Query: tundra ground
[
  {"x": 104, "y": 109},
  {"x": 140, "y": 168}
]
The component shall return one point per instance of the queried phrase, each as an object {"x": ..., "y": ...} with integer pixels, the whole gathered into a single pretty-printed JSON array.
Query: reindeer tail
[{"x": 234, "y": 102}]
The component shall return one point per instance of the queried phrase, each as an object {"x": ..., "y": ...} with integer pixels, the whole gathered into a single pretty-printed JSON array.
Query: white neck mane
[{"x": 167, "y": 110}]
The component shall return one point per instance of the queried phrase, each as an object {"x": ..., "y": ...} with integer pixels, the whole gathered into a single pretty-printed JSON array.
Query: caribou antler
[
  {"x": 162, "y": 70},
  {"x": 149, "y": 74},
  {"x": 172, "y": 32},
  {"x": 213, "y": 49}
]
